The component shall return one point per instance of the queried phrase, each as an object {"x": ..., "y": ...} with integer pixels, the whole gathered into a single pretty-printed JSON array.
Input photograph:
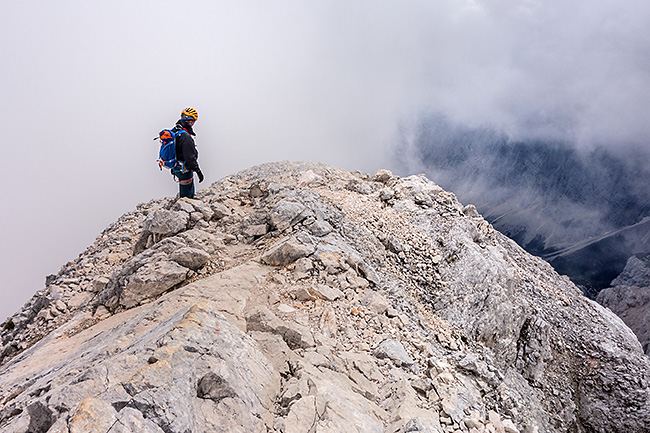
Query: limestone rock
[
  {"x": 393, "y": 350},
  {"x": 191, "y": 258},
  {"x": 219, "y": 210},
  {"x": 327, "y": 293},
  {"x": 286, "y": 213},
  {"x": 629, "y": 298},
  {"x": 151, "y": 280},
  {"x": 287, "y": 252},
  {"x": 382, "y": 176},
  {"x": 166, "y": 223},
  {"x": 417, "y": 316},
  {"x": 262, "y": 319},
  {"x": 93, "y": 416},
  {"x": 636, "y": 273}
]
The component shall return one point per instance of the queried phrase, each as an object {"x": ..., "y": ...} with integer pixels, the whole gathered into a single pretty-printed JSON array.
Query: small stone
[
  {"x": 302, "y": 294},
  {"x": 274, "y": 298},
  {"x": 320, "y": 228},
  {"x": 375, "y": 302},
  {"x": 220, "y": 210},
  {"x": 166, "y": 223},
  {"x": 255, "y": 230},
  {"x": 495, "y": 420},
  {"x": 286, "y": 309},
  {"x": 391, "y": 312},
  {"x": 192, "y": 258},
  {"x": 326, "y": 292},
  {"x": 386, "y": 194},
  {"x": 101, "y": 311},
  {"x": 470, "y": 211},
  {"x": 279, "y": 279},
  {"x": 303, "y": 265},
  {"x": 382, "y": 175},
  {"x": 393, "y": 350},
  {"x": 184, "y": 205},
  {"x": 214, "y": 387},
  {"x": 286, "y": 214},
  {"x": 286, "y": 252},
  {"x": 509, "y": 427},
  {"x": 100, "y": 283},
  {"x": 473, "y": 423}
]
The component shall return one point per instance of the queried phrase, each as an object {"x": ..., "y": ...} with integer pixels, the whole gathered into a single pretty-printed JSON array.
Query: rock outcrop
[
  {"x": 297, "y": 297},
  {"x": 629, "y": 298}
]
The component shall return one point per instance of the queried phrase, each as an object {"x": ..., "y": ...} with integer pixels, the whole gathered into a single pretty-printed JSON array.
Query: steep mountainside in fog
[
  {"x": 297, "y": 297},
  {"x": 629, "y": 297},
  {"x": 582, "y": 211}
]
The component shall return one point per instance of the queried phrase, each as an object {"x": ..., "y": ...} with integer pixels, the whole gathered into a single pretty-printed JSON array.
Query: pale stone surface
[
  {"x": 467, "y": 329},
  {"x": 393, "y": 350},
  {"x": 93, "y": 416},
  {"x": 286, "y": 213},
  {"x": 287, "y": 252},
  {"x": 151, "y": 280},
  {"x": 165, "y": 222},
  {"x": 192, "y": 258},
  {"x": 629, "y": 298}
]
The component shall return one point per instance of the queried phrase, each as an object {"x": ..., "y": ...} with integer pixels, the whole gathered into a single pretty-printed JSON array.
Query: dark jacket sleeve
[{"x": 186, "y": 152}]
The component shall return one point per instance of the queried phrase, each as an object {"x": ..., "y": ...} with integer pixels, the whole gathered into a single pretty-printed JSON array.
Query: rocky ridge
[
  {"x": 629, "y": 297},
  {"x": 297, "y": 297}
]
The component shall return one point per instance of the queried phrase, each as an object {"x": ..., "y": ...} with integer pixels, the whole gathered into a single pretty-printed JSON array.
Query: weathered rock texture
[
  {"x": 297, "y": 297},
  {"x": 629, "y": 297}
]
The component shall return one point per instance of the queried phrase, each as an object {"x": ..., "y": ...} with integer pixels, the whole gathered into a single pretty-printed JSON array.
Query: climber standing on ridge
[{"x": 187, "y": 154}]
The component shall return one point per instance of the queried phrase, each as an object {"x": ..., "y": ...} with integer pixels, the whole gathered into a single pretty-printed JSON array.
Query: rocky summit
[{"x": 298, "y": 297}]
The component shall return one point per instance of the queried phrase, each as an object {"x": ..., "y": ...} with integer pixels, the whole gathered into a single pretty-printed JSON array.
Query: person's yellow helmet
[{"x": 190, "y": 112}]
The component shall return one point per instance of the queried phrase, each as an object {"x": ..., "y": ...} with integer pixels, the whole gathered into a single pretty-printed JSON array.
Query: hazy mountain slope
[
  {"x": 629, "y": 297},
  {"x": 553, "y": 199},
  {"x": 297, "y": 297}
]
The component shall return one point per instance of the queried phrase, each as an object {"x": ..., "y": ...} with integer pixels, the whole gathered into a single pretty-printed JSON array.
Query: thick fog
[{"x": 87, "y": 85}]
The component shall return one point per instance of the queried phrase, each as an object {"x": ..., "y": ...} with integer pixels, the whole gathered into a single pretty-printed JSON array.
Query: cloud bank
[{"x": 87, "y": 85}]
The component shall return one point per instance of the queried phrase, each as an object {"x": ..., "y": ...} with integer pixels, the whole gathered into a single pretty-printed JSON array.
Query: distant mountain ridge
[{"x": 583, "y": 211}]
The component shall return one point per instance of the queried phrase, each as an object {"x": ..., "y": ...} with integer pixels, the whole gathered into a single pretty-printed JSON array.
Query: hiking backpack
[{"x": 167, "y": 153}]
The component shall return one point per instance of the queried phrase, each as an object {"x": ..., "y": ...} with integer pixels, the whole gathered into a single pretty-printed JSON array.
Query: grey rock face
[
  {"x": 286, "y": 213},
  {"x": 287, "y": 252},
  {"x": 394, "y": 351},
  {"x": 192, "y": 258},
  {"x": 632, "y": 304},
  {"x": 636, "y": 273},
  {"x": 629, "y": 298},
  {"x": 151, "y": 280},
  {"x": 356, "y": 311},
  {"x": 164, "y": 222}
]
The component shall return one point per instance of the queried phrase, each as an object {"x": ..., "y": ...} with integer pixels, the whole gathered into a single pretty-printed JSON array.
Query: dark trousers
[{"x": 185, "y": 182}]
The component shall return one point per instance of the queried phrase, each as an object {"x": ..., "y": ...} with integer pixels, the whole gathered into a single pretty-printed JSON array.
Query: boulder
[
  {"x": 287, "y": 252},
  {"x": 192, "y": 258},
  {"x": 220, "y": 210},
  {"x": 382, "y": 175},
  {"x": 93, "y": 416},
  {"x": 262, "y": 319},
  {"x": 152, "y": 280},
  {"x": 286, "y": 213},
  {"x": 165, "y": 222},
  {"x": 393, "y": 350}
]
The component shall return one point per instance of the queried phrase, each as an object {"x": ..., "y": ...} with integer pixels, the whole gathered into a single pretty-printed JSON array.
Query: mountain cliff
[
  {"x": 298, "y": 297},
  {"x": 629, "y": 297},
  {"x": 584, "y": 211}
]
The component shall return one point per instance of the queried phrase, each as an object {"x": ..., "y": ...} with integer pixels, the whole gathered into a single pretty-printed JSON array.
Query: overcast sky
[{"x": 85, "y": 86}]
